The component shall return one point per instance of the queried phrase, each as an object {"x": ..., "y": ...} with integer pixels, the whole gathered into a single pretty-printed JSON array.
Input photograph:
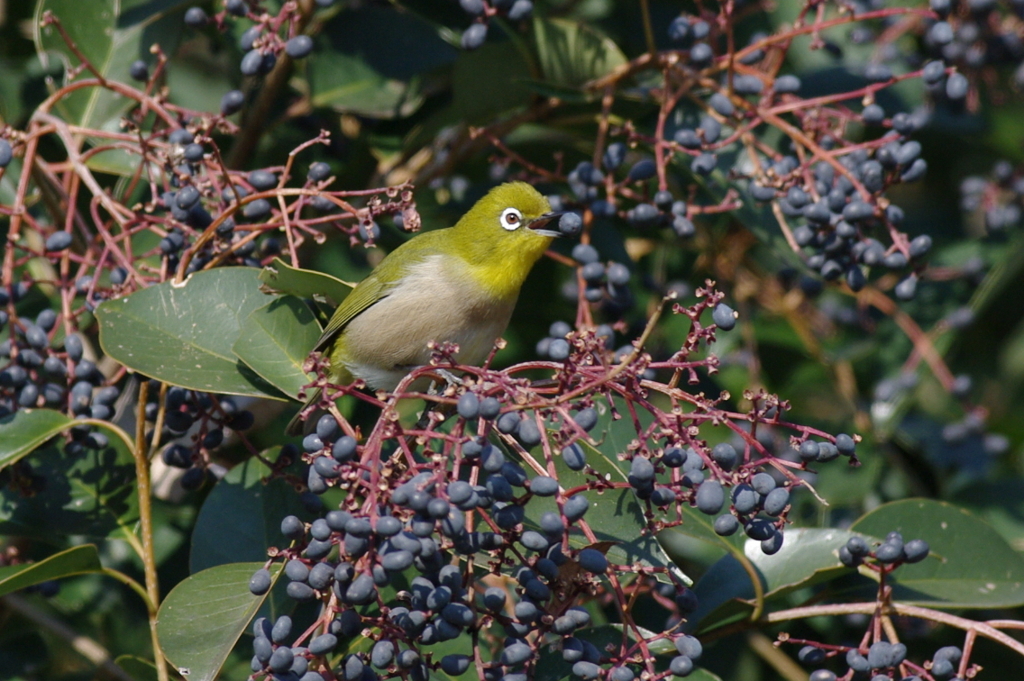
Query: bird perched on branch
[{"x": 455, "y": 285}]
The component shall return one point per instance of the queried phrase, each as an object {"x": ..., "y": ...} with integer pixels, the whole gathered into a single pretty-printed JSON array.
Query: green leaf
[
  {"x": 183, "y": 334},
  {"x": 973, "y": 567},
  {"x": 373, "y": 61},
  {"x": 486, "y": 83},
  {"x": 203, "y": 617},
  {"x": 111, "y": 34},
  {"x": 241, "y": 517},
  {"x": 138, "y": 668},
  {"x": 616, "y": 436},
  {"x": 23, "y": 431},
  {"x": 807, "y": 556},
  {"x": 701, "y": 674},
  {"x": 197, "y": 80},
  {"x": 120, "y": 162},
  {"x": 572, "y": 54},
  {"x": 280, "y": 277},
  {"x": 489, "y": 81},
  {"x": 74, "y": 561},
  {"x": 1000, "y": 504},
  {"x": 275, "y": 340},
  {"x": 88, "y": 492}
]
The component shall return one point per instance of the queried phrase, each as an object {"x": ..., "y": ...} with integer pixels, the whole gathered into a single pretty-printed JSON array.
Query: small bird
[{"x": 458, "y": 285}]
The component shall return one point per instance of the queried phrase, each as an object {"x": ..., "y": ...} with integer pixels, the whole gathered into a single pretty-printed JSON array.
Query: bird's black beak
[{"x": 540, "y": 224}]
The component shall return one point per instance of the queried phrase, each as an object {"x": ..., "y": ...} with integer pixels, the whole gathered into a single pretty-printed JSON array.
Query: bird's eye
[{"x": 511, "y": 219}]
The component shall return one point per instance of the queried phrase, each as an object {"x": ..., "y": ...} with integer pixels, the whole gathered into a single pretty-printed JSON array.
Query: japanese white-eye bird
[{"x": 458, "y": 285}]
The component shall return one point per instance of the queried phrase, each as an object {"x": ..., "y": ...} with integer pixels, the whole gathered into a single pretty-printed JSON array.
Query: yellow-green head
[{"x": 503, "y": 235}]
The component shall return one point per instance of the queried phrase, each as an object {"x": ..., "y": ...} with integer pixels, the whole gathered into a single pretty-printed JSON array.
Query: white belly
[{"x": 430, "y": 304}]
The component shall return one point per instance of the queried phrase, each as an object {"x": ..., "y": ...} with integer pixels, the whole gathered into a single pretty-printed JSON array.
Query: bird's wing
[{"x": 381, "y": 282}]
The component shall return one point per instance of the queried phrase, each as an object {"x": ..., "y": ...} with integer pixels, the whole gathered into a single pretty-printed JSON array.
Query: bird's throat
[{"x": 500, "y": 278}]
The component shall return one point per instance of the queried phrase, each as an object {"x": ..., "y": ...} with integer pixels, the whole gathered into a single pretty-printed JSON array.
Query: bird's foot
[
  {"x": 439, "y": 410},
  {"x": 451, "y": 381}
]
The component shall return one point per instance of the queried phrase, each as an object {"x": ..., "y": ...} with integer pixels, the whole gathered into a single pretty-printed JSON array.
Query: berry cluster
[
  {"x": 193, "y": 423},
  {"x": 884, "y": 660},
  {"x": 975, "y": 37},
  {"x": 262, "y": 44},
  {"x": 483, "y": 11},
  {"x": 488, "y": 484},
  {"x": 885, "y": 557},
  {"x": 834, "y": 217},
  {"x": 240, "y": 207},
  {"x": 35, "y": 373},
  {"x": 999, "y": 198}
]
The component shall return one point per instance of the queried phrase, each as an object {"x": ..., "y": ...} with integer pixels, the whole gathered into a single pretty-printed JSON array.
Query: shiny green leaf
[
  {"x": 74, "y": 561},
  {"x": 183, "y": 335},
  {"x": 616, "y": 515},
  {"x": 280, "y": 277},
  {"x": 572, "y": 54},
  {"x": 23, "y": 431},
  {"x": 275, "y": 340},
  {"x": 375, "y": 61},
  {"x": 241, "y": 517},
  {"x": 90, "y": 492},
  {"x": 974, "y": 567},
  {"x": 807, "y": 556},
  {"x": 203, "y": 617}
]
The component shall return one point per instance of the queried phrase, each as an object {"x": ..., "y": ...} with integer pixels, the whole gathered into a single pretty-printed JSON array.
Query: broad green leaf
[
  {"x": 975, "y": 567},
  {"x": 197, "y": 80},
  {"x": 23, "y": 431},
  {"x": 138, "y": 668},
  {"x": 183, "y": 334},
  {"x": 120, "y": 162},
  {"x": 203, "y": 617},
  {"x": 808, "y": 556},
  {"x": 572, "y": 54},
  {"x": 489, "y": 81},
  {"x": 74, "y": 561},
  {"x": 90, "y": 492},
  {"x": 280, "y": 277},
  {"x": 616, "y": 516},
  {"x": 375, "y": 61},
  {"x": 1000, "y": 504},
  {"x": 701, "y": 674},
  {"x": 276, "y": 339},
  {"x": 616, "y": 436},
  {"x": 241, "y": 517},
  {"x": 111, "y": 34}
]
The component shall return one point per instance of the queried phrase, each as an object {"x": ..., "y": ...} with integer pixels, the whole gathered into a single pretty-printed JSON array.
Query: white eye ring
[{"x": 511, "y": 219}]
